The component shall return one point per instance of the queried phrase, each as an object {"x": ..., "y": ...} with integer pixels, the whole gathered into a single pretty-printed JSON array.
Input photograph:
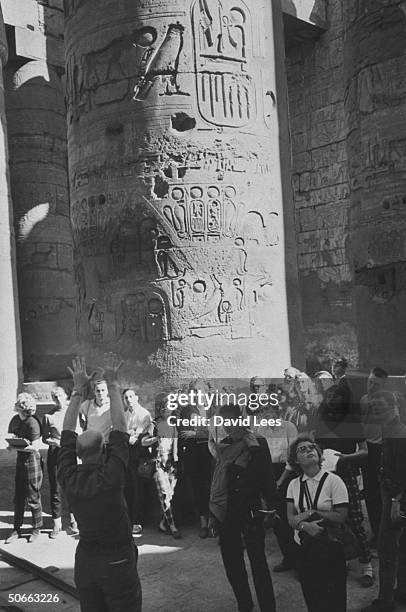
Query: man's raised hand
[
  {"x": 80, "y": 376},
  {"x": 112, "y": 364}
]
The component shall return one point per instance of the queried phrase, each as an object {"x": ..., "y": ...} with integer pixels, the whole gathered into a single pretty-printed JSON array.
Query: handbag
[
  {"x": 345, "y": 536},
  {"x": 333, "y": 532},
  {"x": 146, "y": 468}
]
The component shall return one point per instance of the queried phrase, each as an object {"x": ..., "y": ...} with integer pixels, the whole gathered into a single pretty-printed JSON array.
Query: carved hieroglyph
[{"x": 176, "y": 185}]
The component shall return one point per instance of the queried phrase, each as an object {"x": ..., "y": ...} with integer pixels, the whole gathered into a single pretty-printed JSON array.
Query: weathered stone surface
[
  {"x": 375, "y": 105},
  {"x": 38, "y": 164},
  {"x": 38, "y": 29},
  {"x": 176, "y": 186},
  {"x": 10, "y": 356},
  {"x": 322, "y": 193}
]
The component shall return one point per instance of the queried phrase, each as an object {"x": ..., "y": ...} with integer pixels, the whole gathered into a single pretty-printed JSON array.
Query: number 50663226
[{"x": 33, "y": 598}]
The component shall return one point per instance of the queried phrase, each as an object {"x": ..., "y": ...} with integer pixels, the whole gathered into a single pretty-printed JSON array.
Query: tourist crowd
[{"x": 305, "y": 477}]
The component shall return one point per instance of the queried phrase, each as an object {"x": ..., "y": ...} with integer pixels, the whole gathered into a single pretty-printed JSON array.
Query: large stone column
[
  {"x": 39, "y": 180},
  {"x": 375, "y": 104},
  {"x": 10, "y": 355},
  {"x": 177, "y": 185}
]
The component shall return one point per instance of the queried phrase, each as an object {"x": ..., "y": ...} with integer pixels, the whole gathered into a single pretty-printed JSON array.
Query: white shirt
[
  {"x": 97, "y": 417},
  {"x": 333, "y": 493},
  {"x": 139, "y": 420}
]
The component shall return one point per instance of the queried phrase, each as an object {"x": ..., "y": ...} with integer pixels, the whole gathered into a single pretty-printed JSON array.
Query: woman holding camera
[{"x": 317, "y": 503}]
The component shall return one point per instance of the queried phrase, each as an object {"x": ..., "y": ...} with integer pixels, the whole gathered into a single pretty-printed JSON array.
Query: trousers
[
  {"x": 321, "y": 568},
  {"x": 232, "y": 551},
  {"x": 55, "y": 492},
  {"x": 388, "y": 551},
  {"x": 108, "y": 581},
  {"x": 28, "y": 481},
  {"x": 372, "y": 490}
]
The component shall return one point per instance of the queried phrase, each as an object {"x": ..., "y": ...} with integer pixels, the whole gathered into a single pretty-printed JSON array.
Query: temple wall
[
  {"x": 321, "y": 190},
  {"x": 375, "y": 107}
]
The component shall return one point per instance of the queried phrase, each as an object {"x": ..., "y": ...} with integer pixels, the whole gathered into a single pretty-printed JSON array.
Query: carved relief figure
[
  {"x": 90, "y": 222},
  {"x": 161, "y": 64},
  {"x": 145, "y": 315},
  {"x": 165, "y": 264},
  {"x": 133, "y": 242},
  {"x": 223, "y": 40},
  {"x": 242, "y": 256},
  {"x": 95, "y": 319},
  {"x": 178, "y": 293}
]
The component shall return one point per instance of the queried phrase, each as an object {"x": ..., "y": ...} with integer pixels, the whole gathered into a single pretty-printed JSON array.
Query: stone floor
[{"x": 177, "y": 576}]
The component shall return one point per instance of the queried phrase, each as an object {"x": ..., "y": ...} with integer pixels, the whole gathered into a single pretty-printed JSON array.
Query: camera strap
[{"x": 305, "y": 494}]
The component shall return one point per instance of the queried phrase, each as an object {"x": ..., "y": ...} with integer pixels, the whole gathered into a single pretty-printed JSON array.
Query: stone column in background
[
  {"x": 10, "y": 353},
  {"x": 375, "y": 104},
  {"x": 177, "y": 186},
  {"x": 38, "y": 167}
]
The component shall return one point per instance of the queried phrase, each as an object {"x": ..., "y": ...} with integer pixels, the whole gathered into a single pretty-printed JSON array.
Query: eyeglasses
[{"x": 305, "y": 449}]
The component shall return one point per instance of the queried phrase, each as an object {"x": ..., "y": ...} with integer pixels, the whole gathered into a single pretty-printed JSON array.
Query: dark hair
[
  {"x": 99, "y": 381},
  {"x": 379, "y": 372},
  {"x": 292, "y": 455}
]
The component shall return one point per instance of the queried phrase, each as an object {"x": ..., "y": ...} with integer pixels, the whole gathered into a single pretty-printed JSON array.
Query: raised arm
[
  {"x": 111, "y": 367},
  {"x": 80, "y": 385}
]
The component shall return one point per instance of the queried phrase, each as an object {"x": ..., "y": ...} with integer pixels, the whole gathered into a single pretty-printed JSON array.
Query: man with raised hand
[{"x": 106, "y": 557}]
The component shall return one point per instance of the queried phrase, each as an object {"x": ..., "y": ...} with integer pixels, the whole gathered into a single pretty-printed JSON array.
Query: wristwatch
[{"x": 395, "y": 500}]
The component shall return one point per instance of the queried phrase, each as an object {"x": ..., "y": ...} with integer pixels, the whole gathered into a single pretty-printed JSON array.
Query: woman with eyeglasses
[{"x": 317, "y": 500}]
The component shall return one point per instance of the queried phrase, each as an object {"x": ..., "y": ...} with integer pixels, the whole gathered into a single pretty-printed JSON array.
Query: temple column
[
  {"x": 375, "y": 105},
  {"x": 36, "y": 119},
  {"x": 10, "y": 357},
  {"x": 178, "y": 153}
]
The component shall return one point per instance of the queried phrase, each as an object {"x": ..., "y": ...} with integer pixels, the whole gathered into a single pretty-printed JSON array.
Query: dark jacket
[
  {"x": 394, "y": 458},
  {"x": 248, "y": 486}
]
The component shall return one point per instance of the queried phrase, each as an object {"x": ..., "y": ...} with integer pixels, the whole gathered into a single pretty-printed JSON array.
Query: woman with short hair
[
  {"x": 316, "y": 501},
  {"x": 28, "y": 476}
]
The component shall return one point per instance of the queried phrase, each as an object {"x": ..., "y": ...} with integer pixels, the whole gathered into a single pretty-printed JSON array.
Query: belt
[{"x": 105, "y": 546}]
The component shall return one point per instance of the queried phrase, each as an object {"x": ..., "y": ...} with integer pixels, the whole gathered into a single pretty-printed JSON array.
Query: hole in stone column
[
  {"x": 181, "y": 122},
  {"x": 145, "y": 37},
  {"x": 161, "y": 187}
]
